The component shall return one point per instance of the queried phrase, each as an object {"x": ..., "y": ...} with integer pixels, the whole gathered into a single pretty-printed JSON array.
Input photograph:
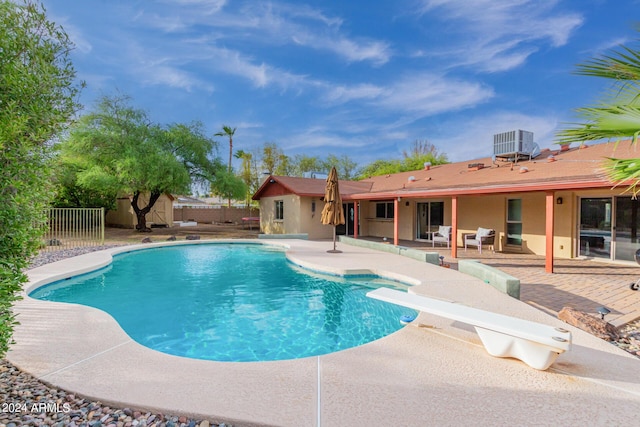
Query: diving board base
[
  {"x": 535, "y": 344},
  {"x": 538, "y": 356}
]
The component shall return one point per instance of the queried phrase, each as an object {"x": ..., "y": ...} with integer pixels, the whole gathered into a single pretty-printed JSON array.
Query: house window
[
  {"x": 279, "y": 210},
  {"x": 514, "y": 222},
  {"x": 384, "y": 210}
]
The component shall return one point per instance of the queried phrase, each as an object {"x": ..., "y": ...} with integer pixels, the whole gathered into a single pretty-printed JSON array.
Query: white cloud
[
  {"x": 501, "y": 35},
  {"x": 427, "y": 94},
  {"x": 342, "y": 93}
]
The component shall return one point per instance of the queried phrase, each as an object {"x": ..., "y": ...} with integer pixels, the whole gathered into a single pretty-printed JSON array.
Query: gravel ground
[{"x": 26, "y": 401}]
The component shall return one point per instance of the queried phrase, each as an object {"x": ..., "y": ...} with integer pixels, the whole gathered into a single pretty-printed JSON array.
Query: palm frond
[
  {"x": 603, "y": 122},
  {"x": 623, "y": 65},
  {"x": 626, "y": 172}
]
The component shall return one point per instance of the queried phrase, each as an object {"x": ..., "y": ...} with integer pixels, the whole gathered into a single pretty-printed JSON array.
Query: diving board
[{"x": 535, "y": 344}]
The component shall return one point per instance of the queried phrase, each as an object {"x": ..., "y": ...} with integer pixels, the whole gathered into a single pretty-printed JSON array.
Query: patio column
[
  {"x": 396, "y": 205},
  {"x": 454, "y": 227},
  {"x": 548, "y": 262},
  {"x": 356, "y": 215}
]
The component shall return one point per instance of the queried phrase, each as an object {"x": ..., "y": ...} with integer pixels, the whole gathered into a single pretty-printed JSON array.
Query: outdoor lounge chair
[
  {"x": 443, "y": 235},
  {"x": 483, "y": 236}
]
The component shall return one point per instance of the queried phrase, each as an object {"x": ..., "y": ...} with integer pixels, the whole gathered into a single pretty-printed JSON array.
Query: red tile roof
[
  {"x": 575, "y": 168},
  {"x": 310, "y": 187},
  {"x": 572, "y": 169}
]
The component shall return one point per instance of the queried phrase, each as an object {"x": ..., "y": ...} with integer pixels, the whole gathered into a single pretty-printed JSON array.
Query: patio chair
[
  {"x": 443, "y": 235},
  {"x": 483, "y": 236}
]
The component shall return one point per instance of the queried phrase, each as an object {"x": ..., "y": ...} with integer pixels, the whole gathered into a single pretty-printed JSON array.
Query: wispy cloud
[
  {"x": 431, "y": 94},
  {"x": 501, "y": 35}
]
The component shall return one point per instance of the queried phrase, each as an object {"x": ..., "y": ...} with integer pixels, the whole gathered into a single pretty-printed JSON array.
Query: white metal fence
[{"x": 74, "y": 227}]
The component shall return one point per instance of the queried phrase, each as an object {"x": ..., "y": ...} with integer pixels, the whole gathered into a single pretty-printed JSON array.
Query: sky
[{"x": 359, "y": 78}]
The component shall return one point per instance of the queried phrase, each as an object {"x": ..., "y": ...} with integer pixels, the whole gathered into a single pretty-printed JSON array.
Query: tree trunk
[
  {"x": 141, "y": 214},
  {"x": 230, "y": 157}
]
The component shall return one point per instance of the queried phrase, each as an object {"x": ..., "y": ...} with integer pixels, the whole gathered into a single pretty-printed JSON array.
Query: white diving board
[{"x": 535, "y": 344}]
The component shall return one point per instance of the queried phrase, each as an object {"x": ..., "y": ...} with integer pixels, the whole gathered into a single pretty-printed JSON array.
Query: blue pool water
[{"x": 231, "y": 302}]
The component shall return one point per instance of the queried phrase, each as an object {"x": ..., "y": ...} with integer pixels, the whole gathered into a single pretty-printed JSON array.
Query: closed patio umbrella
[{"x": 332, "y": 213}]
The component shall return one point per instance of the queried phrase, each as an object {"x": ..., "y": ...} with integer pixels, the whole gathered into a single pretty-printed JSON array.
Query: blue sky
[{"x": 361, "y": 78}]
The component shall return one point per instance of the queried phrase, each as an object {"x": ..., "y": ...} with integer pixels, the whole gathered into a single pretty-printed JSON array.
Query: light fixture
[
  {"x": 399, "y": 199},
  {"x": 559, "y": 200},
  {"x": 603, "y": 311}
]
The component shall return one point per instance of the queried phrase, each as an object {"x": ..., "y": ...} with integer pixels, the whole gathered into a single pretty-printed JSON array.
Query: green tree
[
  {"x": 380, "y": 167},
  {"x": 37, "y": 99},
  {"x": 70, "y": 194},
  {"x": 230, "y": 186},
  {"x": 617, "y": 115},
  {"x": 118, "y": 149},
  {"x": 229, "y": 132},
  {"x": 303, "y": 164},
  {"x": 274, "y": 161},
  {"x": 248, "y": 174},
  {"x": 344, "y": 165},
  {"x": 420, "y": 152}
]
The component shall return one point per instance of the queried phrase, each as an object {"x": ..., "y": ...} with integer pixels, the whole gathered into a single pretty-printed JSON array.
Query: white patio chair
[
  {"x": 483, "y": 236},
  {"x": 443, "y": 235}
]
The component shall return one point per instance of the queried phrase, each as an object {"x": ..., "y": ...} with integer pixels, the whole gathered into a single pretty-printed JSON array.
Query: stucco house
[{"x": 556, "y": 203}]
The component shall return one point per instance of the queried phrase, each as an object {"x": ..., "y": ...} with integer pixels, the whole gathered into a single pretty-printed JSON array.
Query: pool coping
[{"x": 65, "y": 344}]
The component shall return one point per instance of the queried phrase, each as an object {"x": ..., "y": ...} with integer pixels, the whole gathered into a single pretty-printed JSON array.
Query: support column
[
  {"x": 396, "y": 206},
  {"x": 549, "y": 231},
  {"x": 356, "y": 216},
  {"x": 454, "y": 227}
]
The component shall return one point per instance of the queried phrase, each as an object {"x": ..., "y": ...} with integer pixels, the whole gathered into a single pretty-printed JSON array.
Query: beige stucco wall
[
  {"x": 298, "y": 217},
  {"x": 310, "y": 220},
  {"x": 487, "y": 211}
]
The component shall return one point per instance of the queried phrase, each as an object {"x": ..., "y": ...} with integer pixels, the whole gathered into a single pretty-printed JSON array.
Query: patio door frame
[
  {"x": 614, "y": 239},
  {"x": 430, "y": 227}
]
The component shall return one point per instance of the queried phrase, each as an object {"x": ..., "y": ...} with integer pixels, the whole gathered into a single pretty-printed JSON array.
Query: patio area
[
  {"x": 583, "y": 284},
  {"x": 434, "y": 371}
]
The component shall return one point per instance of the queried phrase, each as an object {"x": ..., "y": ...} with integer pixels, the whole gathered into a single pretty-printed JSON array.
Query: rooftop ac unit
[{"x": 513, "y": 143}]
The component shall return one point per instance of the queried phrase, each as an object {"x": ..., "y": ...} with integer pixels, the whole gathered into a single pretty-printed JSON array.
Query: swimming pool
[{"x": 231, "y": 302}]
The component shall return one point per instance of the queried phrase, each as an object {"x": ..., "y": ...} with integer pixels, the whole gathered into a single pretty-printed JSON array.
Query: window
[
  {"x": 384, "y": 210},
  {"x": 514, "y": 222},
  {"x": 279, "y": 210}
]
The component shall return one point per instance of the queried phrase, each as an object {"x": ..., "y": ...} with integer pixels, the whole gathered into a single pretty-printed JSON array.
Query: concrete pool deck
[{"x": 434, "y": 371}]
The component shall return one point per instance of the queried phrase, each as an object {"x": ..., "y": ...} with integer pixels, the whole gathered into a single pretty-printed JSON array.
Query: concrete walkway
[
  {"x": 432, "y": 372},
  {"x": 584, "y": 284}
]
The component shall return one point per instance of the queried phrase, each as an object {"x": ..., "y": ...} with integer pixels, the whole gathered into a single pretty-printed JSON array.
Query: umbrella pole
[
  {"x": 334, "y": 250},
  {"x": 334, "y": 237}
]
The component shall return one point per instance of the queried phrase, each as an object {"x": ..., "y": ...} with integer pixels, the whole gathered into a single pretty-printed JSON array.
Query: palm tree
[
  {"x": 228, "y": 131},
  {"x": 617, "y": 116}
]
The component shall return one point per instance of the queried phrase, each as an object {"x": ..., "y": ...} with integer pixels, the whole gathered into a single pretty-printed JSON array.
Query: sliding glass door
[
  {"x": 430, "y": 216},
  {"x": 595, "y": 227},
  {"x": 626, "y": 228}
]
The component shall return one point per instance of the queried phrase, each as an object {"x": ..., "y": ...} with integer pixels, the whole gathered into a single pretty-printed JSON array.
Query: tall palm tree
[
  {"x": 616, "y": 116},
  {"x": 228, "y": 131}
]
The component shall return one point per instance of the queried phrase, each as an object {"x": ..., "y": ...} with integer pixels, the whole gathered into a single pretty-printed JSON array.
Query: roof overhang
[{"x": 484, "y": 190}]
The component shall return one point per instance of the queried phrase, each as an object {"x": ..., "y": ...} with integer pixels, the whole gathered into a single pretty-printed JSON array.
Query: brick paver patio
[{"x": 584, "y": 284}]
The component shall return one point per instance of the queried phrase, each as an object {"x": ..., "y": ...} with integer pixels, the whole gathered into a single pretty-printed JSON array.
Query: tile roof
[
  {"x": 579, "y": 167},
  {"x": 312, "y": 187},
  {"x": 575, "y": 168}
]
